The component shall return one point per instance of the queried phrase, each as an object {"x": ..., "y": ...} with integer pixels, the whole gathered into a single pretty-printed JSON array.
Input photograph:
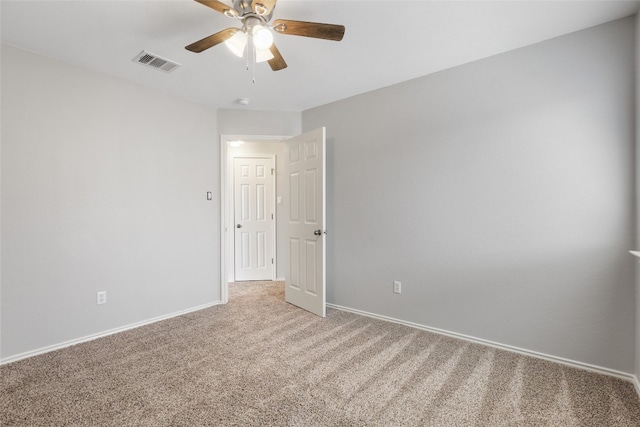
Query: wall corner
[{"x": 637, "y": 174}]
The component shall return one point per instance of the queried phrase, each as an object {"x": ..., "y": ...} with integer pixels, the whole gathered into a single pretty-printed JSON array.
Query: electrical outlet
[
  {"x": 102, "y": 297},
  {"x": 397, "y": 287}
]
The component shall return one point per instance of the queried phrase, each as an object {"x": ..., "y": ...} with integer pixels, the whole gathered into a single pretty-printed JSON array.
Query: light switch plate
[{"x": 397, "y": 287}]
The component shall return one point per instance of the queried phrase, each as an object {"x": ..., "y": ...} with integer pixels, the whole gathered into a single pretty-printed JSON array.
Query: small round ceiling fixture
[{"x": 243, "y": 101}]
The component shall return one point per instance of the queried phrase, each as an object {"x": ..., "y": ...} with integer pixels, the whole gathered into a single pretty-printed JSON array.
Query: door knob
[
  {"x": 318, "y": 232},
  {"x": 238, "y": 226}
]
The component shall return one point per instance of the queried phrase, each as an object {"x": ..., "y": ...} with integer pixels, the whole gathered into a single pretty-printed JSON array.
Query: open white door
[{"x": 305, "y": 284}]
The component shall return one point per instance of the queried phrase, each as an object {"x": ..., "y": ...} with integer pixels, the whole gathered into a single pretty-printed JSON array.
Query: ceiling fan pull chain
[
  {"x": 251, "y": 57},
  {"x": 247, "y": 49},
  {"x": 253, "y": 79}
]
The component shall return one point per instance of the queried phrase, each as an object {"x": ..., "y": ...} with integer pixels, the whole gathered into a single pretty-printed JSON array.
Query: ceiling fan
[{"x": 256, "y": 36}]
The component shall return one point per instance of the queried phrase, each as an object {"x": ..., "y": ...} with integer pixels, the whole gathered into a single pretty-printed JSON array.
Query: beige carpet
[{"x": 259, "y": 361}]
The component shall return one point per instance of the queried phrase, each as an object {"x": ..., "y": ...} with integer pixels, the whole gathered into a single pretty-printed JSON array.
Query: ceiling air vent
[{"x": 154, "y": 61}]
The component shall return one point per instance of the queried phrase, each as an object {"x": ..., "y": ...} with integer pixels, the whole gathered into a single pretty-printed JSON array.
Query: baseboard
[
  {"x": 636, "y": 382},
  {"x": 280, "y": 279},
  {"x": 92, "y": 337},
  {"x": 580, "y": 365}
]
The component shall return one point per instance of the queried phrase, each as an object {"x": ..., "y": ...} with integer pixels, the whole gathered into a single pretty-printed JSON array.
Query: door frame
[
  {"x": 226, "y": 203},
  {"x": 231, "y": 220}
]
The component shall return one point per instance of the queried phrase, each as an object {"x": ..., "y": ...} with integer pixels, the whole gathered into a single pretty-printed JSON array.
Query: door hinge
[
  {"x": 272, "y": 169},
  {"x": 271, "y": 216},
  {"x": 271, "y": 260}
]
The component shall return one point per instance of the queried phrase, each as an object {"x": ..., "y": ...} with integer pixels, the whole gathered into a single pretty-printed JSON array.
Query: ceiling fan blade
[
  {"x": 219, "y": 7},
  {"x": 212, "y": 40},
  {"x": 277, "y": 62},
  {"x": 309, "y": 29},
  {"x": 263, "y": 7}
]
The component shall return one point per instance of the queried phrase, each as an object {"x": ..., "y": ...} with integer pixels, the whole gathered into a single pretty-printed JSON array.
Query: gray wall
[
  {"x": 103, "y": 188},
  {"x": 501, "y": 194}
]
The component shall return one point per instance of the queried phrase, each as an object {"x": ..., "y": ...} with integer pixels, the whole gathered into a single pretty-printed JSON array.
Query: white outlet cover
[{"x": 101, "y": 297}]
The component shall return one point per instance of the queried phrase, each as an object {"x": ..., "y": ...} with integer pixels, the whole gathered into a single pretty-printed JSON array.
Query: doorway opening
[
  {"x": 251, "y": 259},
  {"x": 300, "y": 212}
]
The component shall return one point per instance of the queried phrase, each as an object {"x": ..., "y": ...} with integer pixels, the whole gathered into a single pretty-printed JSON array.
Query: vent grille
[{"x": 154, "y": 61}]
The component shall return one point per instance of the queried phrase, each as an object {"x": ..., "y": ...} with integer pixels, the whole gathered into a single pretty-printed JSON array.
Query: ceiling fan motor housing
[
  {"x": 251, "y": 21},
  {"x": 247, "y": 8}
]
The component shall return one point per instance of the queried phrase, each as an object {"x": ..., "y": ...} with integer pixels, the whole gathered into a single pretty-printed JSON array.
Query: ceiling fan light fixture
[
  {"x": 262, "y": 37},
  {"x": 237, "y": 43},
  {"x": 263, "y": 55}
]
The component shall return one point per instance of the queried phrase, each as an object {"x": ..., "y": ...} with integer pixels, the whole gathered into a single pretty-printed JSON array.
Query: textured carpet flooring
[{"x": 259, "y": 361}]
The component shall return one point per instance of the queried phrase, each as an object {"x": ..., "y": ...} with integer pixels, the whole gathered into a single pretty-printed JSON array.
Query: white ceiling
[{"x": 386, "y": 42}]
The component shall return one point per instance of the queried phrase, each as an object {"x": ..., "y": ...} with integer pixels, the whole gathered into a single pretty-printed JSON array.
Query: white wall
[
  {"x": 271, "y": 149},
  {"x": 263, "y": 123},
  {"x": 103, "y": 188},
  {"x": 501, "y": 194}
]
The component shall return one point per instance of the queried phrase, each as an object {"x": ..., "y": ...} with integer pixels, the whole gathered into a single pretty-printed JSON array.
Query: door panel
[
  {"x": 254, "y": 209},
  {"x": 305, "y": 282}
]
